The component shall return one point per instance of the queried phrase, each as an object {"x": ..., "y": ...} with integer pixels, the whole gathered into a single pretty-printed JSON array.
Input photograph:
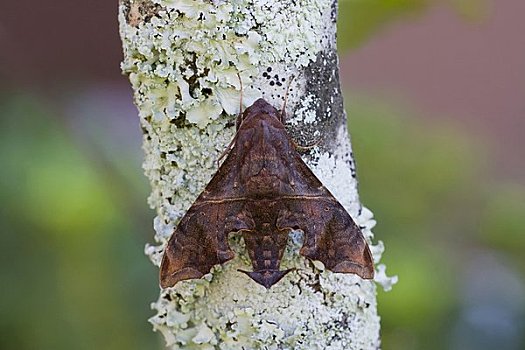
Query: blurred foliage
[
  {"x": 502, "y": 221},
  {"x": 359, "y": 20},
  {"x": 421, "y": 179},
  {"x": 73, "y": 271},
  {"x": 75, "y": 222}
]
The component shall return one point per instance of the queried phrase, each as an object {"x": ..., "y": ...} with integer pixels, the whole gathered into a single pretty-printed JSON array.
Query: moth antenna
[
  {"x": 230, "y": 146},
  {"x": 239, "y": 117},
  {"x": 227, "y": 150},
  {"x": 237, "y": 124},
  {"x": 283, "y": 111}
]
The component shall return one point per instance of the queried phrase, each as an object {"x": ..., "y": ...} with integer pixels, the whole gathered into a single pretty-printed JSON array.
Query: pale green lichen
[
  {"x": 186, "y": 58},
  {"x": 183, "y": 60}
]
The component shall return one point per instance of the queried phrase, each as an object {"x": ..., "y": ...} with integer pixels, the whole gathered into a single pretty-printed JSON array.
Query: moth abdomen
[{"x": 266, "y": 278}]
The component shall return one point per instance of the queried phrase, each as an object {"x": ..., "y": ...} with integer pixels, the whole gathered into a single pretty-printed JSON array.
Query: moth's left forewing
[{"x": 200, "y": 241}]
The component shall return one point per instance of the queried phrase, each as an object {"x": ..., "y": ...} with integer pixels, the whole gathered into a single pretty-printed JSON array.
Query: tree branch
[{"x": 182, "y": 58}]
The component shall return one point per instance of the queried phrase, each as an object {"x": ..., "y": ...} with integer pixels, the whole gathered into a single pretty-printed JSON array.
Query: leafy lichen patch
[{"x": 184, "y": 59}]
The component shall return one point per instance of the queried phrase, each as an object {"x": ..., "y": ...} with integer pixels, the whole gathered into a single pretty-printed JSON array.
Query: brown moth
[{"x": 264, "y": 190}]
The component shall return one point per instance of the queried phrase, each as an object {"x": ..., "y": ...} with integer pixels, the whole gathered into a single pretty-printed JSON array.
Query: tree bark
[{"x": 182, "y": 58}]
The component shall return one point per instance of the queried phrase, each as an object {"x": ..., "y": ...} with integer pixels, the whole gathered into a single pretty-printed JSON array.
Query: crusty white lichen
[{"x": 184, "y": 59}]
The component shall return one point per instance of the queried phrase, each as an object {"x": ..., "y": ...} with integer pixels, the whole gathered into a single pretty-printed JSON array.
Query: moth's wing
[
  {"x": 331, "y": 236},
  {"x": 227, "y": 182},
  {"x": 200, "y": 241}
]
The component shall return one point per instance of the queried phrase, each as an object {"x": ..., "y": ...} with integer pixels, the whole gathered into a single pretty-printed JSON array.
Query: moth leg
[
  {"x": 232, "y": 142},
  {"x": 227, "y": 150},
  {"x": 238, "y": 123}
]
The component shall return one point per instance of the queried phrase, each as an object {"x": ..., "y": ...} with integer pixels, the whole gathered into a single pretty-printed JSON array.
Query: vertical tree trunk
[{"x": 182, "y": 58}]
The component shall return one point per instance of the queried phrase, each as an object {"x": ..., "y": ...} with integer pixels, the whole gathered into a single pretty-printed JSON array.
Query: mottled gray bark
[{"x": 183, "y": 57}]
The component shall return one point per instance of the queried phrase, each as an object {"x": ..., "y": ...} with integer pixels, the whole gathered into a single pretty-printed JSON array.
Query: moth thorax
[{"x": 263, "y": 183}]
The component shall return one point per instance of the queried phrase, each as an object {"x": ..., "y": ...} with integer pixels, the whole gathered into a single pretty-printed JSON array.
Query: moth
[{"x": 263, "y": 189}]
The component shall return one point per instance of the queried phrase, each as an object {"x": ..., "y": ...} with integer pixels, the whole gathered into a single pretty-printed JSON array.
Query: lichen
[
  {"x": 187, "y": 60},
  {"x": 184, "y": 60}
]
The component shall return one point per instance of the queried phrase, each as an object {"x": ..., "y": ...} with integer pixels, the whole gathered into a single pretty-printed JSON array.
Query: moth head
[{"x": 259, "y": 109}]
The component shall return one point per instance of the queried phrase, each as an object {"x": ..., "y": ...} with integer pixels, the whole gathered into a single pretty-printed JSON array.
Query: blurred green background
[{"x": 446, "y": 185}]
